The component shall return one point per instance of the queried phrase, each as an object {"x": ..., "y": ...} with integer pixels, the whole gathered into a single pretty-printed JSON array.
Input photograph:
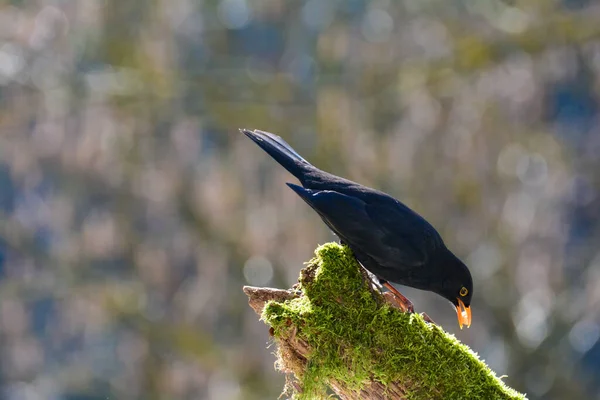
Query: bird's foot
[
  {"x": 393, "y": 299},
  {"x": 427, "y": 318},
  {"x": 405, "y": 304}
]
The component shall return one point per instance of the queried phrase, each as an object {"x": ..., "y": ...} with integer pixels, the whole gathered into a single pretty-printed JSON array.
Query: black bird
[{"x": 389, "y": 239}]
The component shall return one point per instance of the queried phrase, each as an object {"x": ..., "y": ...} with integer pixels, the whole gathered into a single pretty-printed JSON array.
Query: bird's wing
[{"x": 388, "y": 235}]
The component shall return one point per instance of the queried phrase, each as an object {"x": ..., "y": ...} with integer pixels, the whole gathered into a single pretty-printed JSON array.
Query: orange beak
[{"x": 463, "y": 313}]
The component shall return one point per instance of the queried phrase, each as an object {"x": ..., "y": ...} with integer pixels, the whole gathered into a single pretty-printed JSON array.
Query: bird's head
[{"x": 458, "y": 288}]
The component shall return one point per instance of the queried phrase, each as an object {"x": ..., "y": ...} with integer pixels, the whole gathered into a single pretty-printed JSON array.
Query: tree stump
[{"x": 336, "y": 332}]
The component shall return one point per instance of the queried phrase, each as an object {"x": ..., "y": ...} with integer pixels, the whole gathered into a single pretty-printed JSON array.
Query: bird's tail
[{"x": 282, "y": 152}]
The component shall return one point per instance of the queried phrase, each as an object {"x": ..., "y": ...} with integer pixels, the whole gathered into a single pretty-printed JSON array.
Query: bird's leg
[{"x": 403, "y": 302}]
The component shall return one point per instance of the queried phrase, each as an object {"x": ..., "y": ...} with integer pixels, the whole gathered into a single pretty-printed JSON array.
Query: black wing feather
[{"x": 384, "y": 233}]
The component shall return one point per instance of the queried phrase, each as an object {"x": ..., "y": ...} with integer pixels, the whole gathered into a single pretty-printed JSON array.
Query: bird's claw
[
  {"x": 427, "y": 318},
  {"x": 393, "y": 300},
  {"x": 405, "y": 304}
]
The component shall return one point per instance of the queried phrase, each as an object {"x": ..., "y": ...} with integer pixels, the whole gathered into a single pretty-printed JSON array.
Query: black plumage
[{"x": 388, "y": 238}]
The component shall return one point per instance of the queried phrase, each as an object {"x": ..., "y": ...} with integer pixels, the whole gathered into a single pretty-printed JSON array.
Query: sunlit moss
[{"x": 355, "y": 336}]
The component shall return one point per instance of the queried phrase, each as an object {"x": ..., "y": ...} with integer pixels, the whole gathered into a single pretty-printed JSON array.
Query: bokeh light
[{"x": 132, "y": 211}]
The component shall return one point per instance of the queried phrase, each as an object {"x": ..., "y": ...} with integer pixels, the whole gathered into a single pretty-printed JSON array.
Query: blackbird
[{"x": 389, "y": 239}]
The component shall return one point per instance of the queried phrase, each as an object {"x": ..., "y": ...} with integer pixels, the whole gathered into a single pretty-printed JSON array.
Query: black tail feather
[
  {"x": 282, "y": 152},
  {"x": 300, "y": 191}
]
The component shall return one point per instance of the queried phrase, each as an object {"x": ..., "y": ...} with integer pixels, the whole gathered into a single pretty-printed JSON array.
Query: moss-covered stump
[{"x": 334, "y": 331}]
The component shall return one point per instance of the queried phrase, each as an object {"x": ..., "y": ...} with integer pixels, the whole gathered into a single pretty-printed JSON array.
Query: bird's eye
[{"x": 464, "y": 291}]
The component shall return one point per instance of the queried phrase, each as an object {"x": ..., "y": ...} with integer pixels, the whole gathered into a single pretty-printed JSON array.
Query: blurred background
[{"x": 132, "y": 210}]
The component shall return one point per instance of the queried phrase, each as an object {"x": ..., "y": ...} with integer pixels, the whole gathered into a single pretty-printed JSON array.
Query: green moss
[{"x": 355, "y": 337}]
